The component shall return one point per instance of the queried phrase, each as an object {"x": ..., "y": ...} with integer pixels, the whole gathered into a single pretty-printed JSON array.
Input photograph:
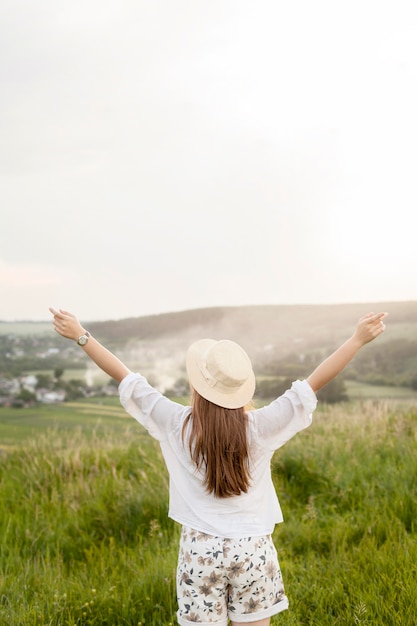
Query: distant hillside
[
  {"x": 272, "y": 335},
  {"x": 275, "y": 333},
  {"x": 282, "y": 326}
]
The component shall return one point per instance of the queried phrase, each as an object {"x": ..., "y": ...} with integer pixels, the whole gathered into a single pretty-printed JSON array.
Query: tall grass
[
  {"x": 85, "y": 538},
  {"x": 349, "y": 490}
]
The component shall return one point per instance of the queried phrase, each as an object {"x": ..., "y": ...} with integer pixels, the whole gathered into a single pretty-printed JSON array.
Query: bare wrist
[{"x": 356, "y": 342}]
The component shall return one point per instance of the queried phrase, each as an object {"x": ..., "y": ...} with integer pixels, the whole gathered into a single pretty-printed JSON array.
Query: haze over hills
[
  {"x": 255, "y": 327},
  {"x": 258, "y": 327},
  {"x": 156, "y": 344},
  {"x": 266, "y": 332}
]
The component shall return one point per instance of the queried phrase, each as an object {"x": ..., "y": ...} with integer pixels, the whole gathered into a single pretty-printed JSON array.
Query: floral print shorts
[{"x": 220, "y": 579}]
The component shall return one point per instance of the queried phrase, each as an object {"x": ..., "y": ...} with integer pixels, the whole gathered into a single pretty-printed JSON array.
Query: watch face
[{"x": 82, "y": 340}]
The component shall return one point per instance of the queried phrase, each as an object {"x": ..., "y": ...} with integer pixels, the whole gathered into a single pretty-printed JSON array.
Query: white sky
[{"x": 158, "y": 156}]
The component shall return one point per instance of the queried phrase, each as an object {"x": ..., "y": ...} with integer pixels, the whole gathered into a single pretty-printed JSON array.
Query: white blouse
[{"x": 253, "y": 513}]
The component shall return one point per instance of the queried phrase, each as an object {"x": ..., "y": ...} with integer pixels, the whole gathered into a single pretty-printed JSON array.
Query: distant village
[
  {"x": 24, "y": 391},
  {"x": 32, "y": 373},
  {"x": 42, "y": 368}
]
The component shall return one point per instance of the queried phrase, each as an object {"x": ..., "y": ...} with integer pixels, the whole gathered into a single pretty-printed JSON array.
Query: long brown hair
[{"x": 219, "y": 445}]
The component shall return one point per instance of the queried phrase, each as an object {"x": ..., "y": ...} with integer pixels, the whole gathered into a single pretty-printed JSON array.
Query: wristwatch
[{"x": 83, "y": 339}]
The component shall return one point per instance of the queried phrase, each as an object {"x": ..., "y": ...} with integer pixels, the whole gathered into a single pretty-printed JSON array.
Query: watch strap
[{"x": 82, "y": 340}]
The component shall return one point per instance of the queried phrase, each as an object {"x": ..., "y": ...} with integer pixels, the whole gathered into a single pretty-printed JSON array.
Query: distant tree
[
  {"x": 334, "y": 391},
  {"x": 58, "y": 373},
  {"x": 272, "y": 387},
  {"x": 74, "y": 389},
  {"x": 26, "y": 396},
  {"x": 14, "y": 370},
  {"x": 44, "y": 381}
]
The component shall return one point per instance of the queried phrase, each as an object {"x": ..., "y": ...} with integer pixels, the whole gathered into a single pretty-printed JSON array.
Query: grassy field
[
  {"x": 85, "y": 539},
  {"x": 19, "y": 427}
]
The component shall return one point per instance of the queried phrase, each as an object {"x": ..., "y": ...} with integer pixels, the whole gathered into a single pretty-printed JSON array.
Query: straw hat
[{"x": 221, "y": 372}]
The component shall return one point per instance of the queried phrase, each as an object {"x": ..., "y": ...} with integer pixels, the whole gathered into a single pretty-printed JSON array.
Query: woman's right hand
[{"x": 67, "y": 324}]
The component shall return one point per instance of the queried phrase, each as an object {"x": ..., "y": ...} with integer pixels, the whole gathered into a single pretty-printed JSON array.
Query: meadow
[{"x": 85, "y": 539}]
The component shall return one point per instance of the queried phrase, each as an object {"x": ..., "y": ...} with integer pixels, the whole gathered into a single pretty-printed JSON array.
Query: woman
[{"x": 218, "y": 453}]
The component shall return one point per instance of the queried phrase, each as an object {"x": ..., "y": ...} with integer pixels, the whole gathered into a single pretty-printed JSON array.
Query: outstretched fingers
[
  {"x": 370, "y": 326},
  {"x": 377, "y": 325},
  {"x": 65, "y": 323},
  {"x": 58, "y": 321}
]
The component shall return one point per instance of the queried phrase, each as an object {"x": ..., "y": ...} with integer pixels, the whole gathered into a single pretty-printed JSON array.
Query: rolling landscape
[
  {"x": 282, "y": 341},
  {"x": 85, "y": 537}
]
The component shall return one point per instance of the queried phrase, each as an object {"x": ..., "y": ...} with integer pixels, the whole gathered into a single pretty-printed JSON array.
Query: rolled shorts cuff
[
  {"x": 243, "y": 618},
  {"x": 186, "y": 622},
  {"x": 247, "y": 618}
]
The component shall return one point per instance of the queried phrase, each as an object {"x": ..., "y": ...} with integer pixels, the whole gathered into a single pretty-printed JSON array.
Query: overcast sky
[{"x": 163, "y": 155}]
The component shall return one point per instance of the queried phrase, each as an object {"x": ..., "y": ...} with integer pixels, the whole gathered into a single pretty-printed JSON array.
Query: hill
[
  {"x": 255, "y": 324},
  {"x": 259, "y": 324},
  {"x": 275, "y": 336},
  {"x": 279, "y": 334}
]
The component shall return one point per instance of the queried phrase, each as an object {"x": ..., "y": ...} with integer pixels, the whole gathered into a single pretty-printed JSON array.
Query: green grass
[
  {"x": 22, "y": 426},
  {"x": 85, "y": 538},
  {"x": 348, "y": 546}
]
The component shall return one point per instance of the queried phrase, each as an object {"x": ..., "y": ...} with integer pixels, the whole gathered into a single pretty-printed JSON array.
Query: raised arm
[
  {"x": 367, "y": 329},
  {"x": 67, "y": 325}
]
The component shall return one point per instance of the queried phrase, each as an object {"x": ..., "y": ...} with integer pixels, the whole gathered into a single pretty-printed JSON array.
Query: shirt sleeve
[
  {"x": 149, "y": 407},
  {"x": 279, "y": 421}
]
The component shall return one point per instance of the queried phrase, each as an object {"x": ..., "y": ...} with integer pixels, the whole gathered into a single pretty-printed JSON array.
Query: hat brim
[{"x": 231, "y": 399}]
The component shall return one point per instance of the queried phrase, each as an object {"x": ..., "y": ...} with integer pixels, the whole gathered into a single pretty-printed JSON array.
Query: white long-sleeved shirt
[{"x": 253, "y": 513}]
